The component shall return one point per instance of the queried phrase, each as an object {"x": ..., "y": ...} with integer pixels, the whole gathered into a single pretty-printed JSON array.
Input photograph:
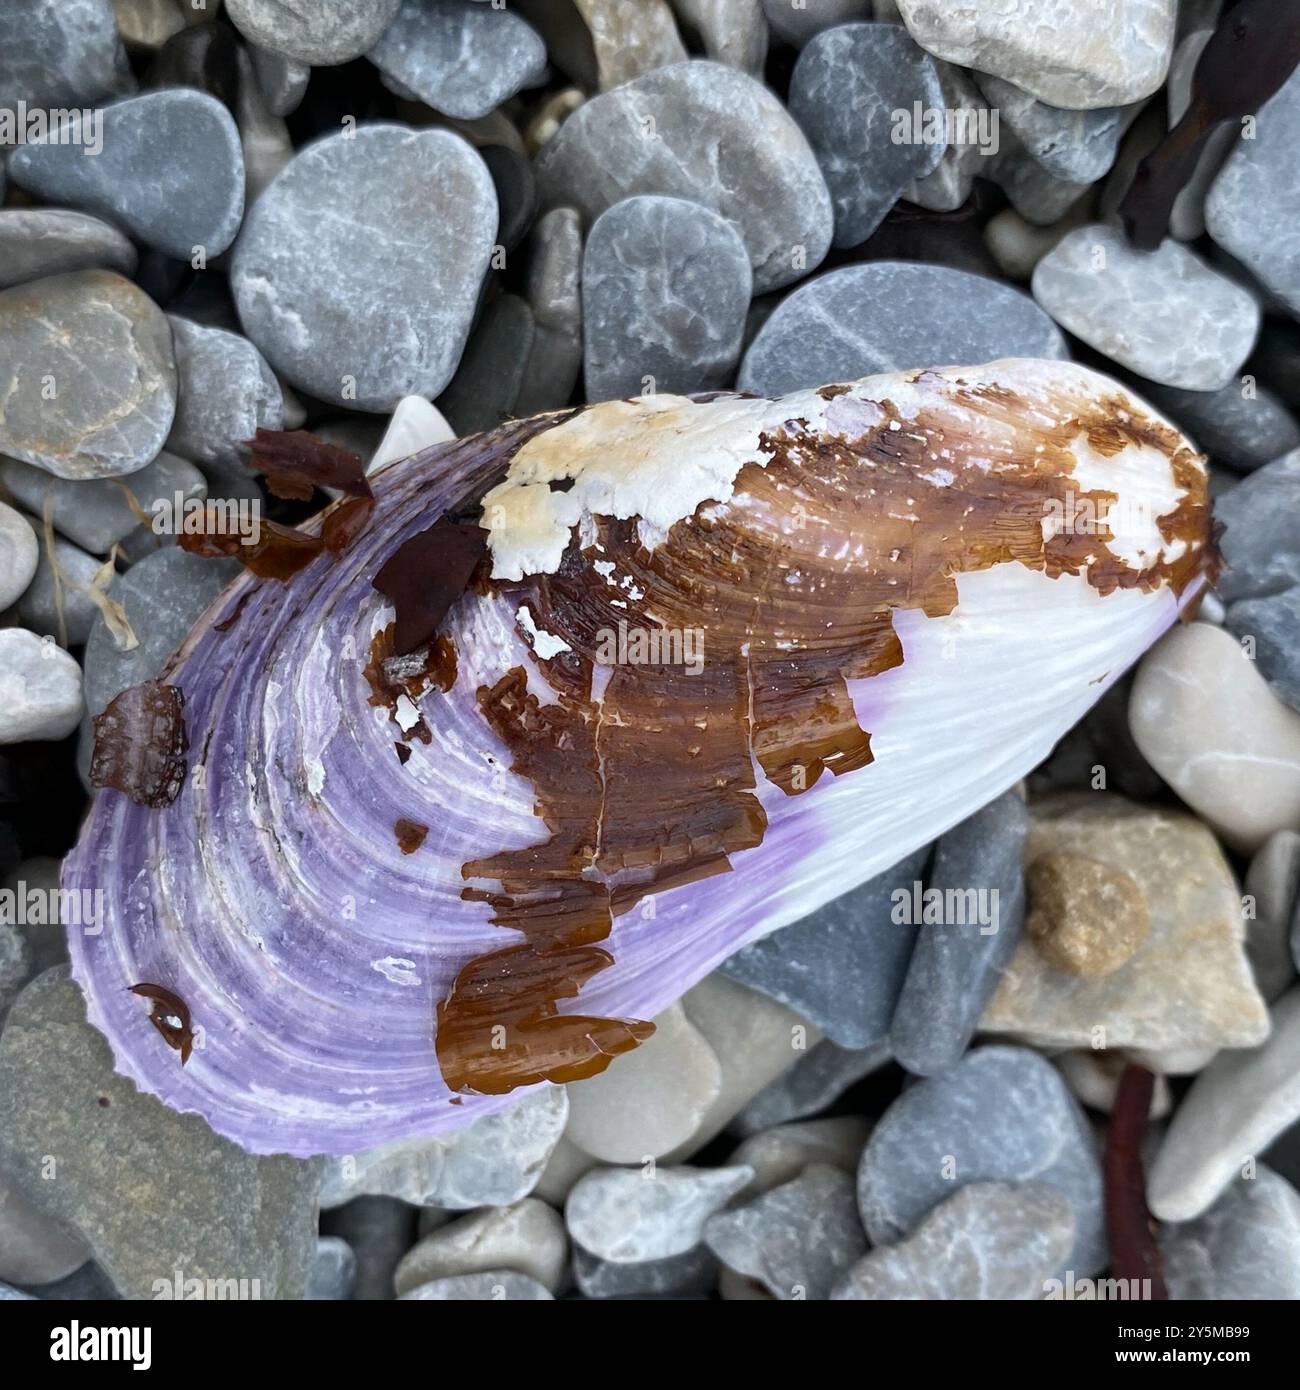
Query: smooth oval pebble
[
  {"x": 711, "y": 135},
  {"x": 1003, "y": 1113},
  {"x": 106, "y": 349},
  {"x": 226, "y": 392},
  {"x": 40, "y": 688},
  {"x": 665, "y": 288},
  {"x": 171, "y": 171},
  {"x": 1253, "y": 206},
  {"x": 1164, "y": 314},
  {"x": 846, "y": 88},
  {"x": 359, "y": 267},
  {"x": 633, "y": 1215},
  {"x": 1077, "y": 56},
  {"x": 888, "y": 316},
  {"x": 33, "y": 1248},
  {"x": 19, "y": 554},
  {"x": 798, "y": 1239},
  {"x": 990, "y": 1240},
  {"x": 653, "y": 1102},
  {"x": 488, "y": 1286},
  {"x": 461, "y": 59},
  {"x": 324, "y": 32},
  {"x": 1235, "y": 1109},
  {"x": 36, "y": 242},
  {"x": 1208, "y": 723},
  {"x": 528, "y": 1237}
]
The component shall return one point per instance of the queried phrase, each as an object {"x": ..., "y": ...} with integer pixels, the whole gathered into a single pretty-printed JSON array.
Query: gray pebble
[
  {"x": 162, "y": 595},
  {"x": 1236, "y": 1107},
  {"x": 488, "y": 1286},
  {"x": 36, "y": 242},
  {"x": 495, "y": 1161},
  {"x": 1247, "y": 1246},
  {"x": 1070, "y": 55},
  {"x": 57, "y": 55},
  {"x": 40, "y": 688},
  {"x": 799, "y": 1239},
  {"x": 955, "y": 965},
  {"x": 692, "y": 1273},
  {"x": 99, "y": 512},
  {"x": 797, "y": 21},
  {"x": 105, "y": 349},
  {"x": 1273, "y": 887},
  {"x": 15, "y": 971},
  {"x": 1253, "y": 207},
  {"x": 1273, "y": 623},
  {"x": 1003, "y": 1113},
  {"x": 891, "y": 316},
  {"x": 1163, "y": 314},
  {"x": 990, "y": 1240},
  {"x": 1077, "y": 146},
  {"x": 631, "y": 1215},
  {"x": 846, "y": 87},
  {"x": 460, "y": 58},
  {"x": 226, "y": 392},
  {"x": 711, "y": 135},
  {"x": 491, "y": 373},
  {"x": 1038, "y": 196},
  {"x": 1261, "y": 542},
  {"x": 816, "y": 1081},
  {"x": 527, "y": 1236},
  {"x": 34, "y": 1249},
  {"x": 555, "y": 297},
  {"x": 516, "y": 189},
  {"x": 65, "y": 611},
  {"x": 326, "y": 32},
  {"x": 947, "y": 186},
  {"x": 283, "y": 80},
  {"x": 19, "y": 549},
  {"x": 665, "y": 289},
  {"x": 359, "y": 268},
  {"x": 47, "y": 942},
  {"x": 733, "y": 31},
  {"x": 1239, "y": 428},
  {"x": 333, "y": 1270},
  {"x": 843, "y": 966},
  {"x": 9, "y": 1294},
  {"x": 380, "y": 1230},
  {"x": 779, "y": 1155},
  {"x": 171, "y": 171},
  {"x": 213, "y": 1210}
]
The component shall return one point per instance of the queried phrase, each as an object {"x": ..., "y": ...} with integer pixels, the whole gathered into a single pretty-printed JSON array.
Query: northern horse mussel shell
[{"x": 720, "y": 661}]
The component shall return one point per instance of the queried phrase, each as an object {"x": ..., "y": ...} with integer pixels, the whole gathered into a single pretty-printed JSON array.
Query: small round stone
[
  {"x": 324, "y": 32},
  {"x": 711, "y": 135},
  {"x": 463, "y": 60},
  {"x": 665, "y": 288},
  {"x": 171, "y": 171},
  {"x": 106, "y": 349},
  {"x": 358, "y": 270},
  {"x": 847, "y": 85},
  {"x": 40, "y": 688},
  {"x": 1086, "y": 917},
  {"x": 891, "y": 316},
  {"x": 19, "y": 554},
  {"x": 36, "y": 242}
]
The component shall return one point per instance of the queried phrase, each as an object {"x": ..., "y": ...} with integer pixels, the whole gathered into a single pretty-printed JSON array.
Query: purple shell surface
[{"x": 272, "y": 895}]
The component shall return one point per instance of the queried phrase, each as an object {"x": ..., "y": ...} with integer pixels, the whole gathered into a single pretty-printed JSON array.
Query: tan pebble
[{"x": 1085, "y": 917}]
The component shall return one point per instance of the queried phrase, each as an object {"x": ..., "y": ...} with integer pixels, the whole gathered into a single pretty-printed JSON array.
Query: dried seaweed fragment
[
  {"x": 1129, "y": 1228},
  {"x": 426, "y": 575},
  {"x": 295, "y": 463},
  {"x": 170, "y": 1015},
  {"x": 140, "y": 744}
]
